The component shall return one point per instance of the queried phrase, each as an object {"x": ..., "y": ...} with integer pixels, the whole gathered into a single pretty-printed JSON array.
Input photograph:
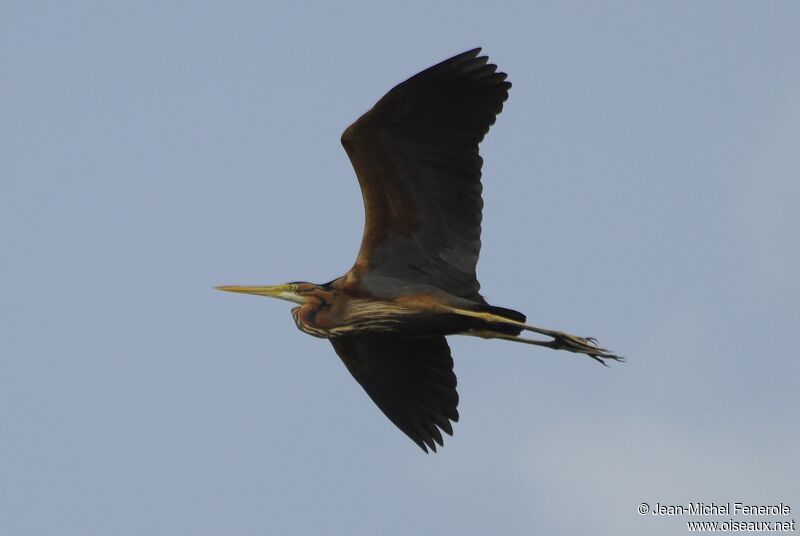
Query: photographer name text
[{"x": 720, "y": 509}]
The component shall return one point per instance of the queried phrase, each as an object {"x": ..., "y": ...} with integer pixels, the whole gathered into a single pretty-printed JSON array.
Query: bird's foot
[{"x": 583, "y": 345}]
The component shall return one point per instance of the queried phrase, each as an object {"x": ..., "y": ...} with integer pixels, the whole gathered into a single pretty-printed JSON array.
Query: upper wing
[
  {"x": 416, "y": 156},
  {"x": 410, "y": 379}
]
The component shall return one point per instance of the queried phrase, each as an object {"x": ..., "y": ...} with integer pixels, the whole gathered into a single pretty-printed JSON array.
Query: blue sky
[{"x": 641, "y": 186}]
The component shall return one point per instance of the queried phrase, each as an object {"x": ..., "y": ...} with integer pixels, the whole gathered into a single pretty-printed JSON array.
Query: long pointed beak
[{"x": 272, "y": 292}]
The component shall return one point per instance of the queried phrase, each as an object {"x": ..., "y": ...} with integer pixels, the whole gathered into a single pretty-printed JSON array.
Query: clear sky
[{"x": 641, "y": 186}]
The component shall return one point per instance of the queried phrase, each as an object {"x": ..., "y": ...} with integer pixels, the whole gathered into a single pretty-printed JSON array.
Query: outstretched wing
[
  {"x": 416, "y": 156},
  {"x": 410, "y": 379}
]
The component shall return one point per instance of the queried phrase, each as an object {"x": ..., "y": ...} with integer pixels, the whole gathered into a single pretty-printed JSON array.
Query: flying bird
[{"x": 413, "y": 282}]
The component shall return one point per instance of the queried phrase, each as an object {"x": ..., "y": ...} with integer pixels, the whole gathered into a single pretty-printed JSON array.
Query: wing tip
[{"x": 473, "y": 52}]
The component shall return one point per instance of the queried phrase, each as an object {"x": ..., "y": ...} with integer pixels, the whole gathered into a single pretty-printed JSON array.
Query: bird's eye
[{"x": 293, "y": 287}]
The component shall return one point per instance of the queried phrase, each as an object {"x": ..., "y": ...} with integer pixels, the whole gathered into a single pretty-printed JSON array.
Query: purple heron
[{"x": 416, "y": 157}]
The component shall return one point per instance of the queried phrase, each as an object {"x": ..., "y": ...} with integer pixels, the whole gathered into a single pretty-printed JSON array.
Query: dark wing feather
[
  {"x": 410, "y": 379},
  {"x": 416, "y": 156}
]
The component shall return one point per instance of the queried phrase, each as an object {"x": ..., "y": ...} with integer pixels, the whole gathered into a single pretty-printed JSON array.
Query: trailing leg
[{"x": 562, "y": 342}]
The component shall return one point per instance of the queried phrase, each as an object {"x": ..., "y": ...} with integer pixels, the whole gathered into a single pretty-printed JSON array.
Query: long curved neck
[
  {"x": 308, "y": 319},
  {"x": 320, "y": 297},
  {"x": 333, "y": 313}
]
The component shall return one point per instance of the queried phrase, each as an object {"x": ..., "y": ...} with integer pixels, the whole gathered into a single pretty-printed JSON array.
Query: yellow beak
[
  {"x": 272, "y": 292},
  {"x": 282, "y": 292}
]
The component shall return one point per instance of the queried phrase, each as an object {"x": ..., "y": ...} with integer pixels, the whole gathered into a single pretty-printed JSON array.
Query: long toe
[{"x": 588, "y": 346}]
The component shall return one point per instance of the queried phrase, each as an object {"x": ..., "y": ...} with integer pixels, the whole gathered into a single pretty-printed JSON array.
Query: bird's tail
[{"x": 511, "y": 314}]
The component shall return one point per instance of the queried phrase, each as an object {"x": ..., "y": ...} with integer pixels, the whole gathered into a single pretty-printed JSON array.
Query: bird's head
[{"x": 297, "y": 292}]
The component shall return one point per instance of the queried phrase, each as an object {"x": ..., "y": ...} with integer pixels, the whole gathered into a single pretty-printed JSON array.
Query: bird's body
[
  {"x": 416, "y": 157},
  {"x": 334, "y": 310}
]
